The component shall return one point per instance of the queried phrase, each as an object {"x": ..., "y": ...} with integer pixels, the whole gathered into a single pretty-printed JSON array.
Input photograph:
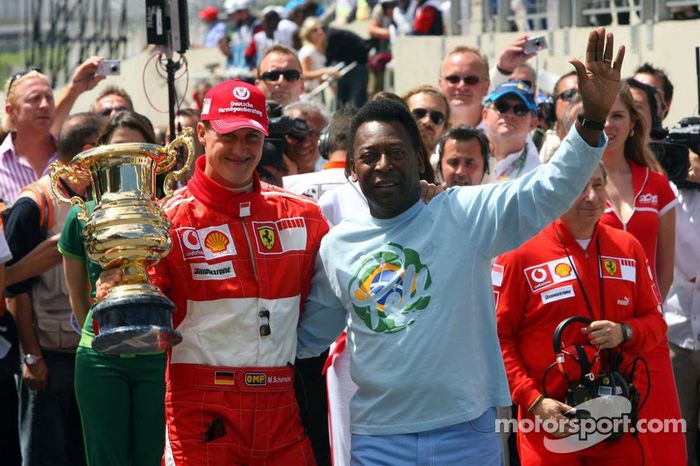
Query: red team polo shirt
[{"x": 653, "y": 197}]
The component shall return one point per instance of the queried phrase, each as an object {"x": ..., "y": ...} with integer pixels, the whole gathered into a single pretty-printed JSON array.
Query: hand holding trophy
[{"x": 129, "y": 230}]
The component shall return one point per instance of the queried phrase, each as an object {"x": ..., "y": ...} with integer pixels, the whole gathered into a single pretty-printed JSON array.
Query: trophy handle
[
  {"x": 187, "y": 139},
  {"x": 58, "y": 169}
]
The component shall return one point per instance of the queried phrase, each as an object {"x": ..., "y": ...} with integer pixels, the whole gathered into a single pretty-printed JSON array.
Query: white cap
[{"x": 232, "y": 6}]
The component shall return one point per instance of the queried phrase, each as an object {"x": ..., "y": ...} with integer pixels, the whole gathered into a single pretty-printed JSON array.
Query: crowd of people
[{"x": 374, "y": 285}]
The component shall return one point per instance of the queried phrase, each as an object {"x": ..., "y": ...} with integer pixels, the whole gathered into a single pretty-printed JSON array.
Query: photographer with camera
[
  {"x": 575, "y": 266},
  {"x": 682, "y": 308}
]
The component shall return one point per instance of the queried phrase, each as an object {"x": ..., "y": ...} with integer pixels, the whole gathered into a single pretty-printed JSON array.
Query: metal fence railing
[{"x": 507, "y": 15}]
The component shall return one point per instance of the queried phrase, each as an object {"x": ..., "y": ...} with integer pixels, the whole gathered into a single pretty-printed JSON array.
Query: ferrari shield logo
[
  {"x": 267, "y": 236},
  {"x": 610, "y": 267}
]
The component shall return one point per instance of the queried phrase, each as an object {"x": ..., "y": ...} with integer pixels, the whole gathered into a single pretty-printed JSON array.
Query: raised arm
[{"x": 510, "y": 213}]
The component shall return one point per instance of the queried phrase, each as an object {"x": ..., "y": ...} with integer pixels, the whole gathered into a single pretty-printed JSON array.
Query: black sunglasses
[
  {"x": 436, "y": 117},
  {"x": 503, "y": 107},
  {"x": 18, "y": 75},
  {"x": 274, "y": 76},
  {"x": 567, "y": 95},
  {"x": 468, "y": 80},
  {"x": 110, "y": 110}
]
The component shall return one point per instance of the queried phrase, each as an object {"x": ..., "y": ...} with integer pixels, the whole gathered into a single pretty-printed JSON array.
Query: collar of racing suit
[
  {"x": 561, "y": 231},
  {"x": 220, "y": 198}
]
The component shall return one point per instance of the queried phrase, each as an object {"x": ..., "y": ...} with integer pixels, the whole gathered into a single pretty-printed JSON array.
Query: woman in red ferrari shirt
[{"x": 641, "y": 201}]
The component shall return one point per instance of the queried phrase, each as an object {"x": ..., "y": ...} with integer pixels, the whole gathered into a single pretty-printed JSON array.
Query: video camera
[
  {"x": 279, "y": 126},
  {"x": 671, "y": 149}
]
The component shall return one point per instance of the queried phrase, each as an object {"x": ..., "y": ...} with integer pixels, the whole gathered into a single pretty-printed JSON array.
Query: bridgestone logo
[
  {"x": 204, "y": 271},
  {"x": 225, "y": 270}
]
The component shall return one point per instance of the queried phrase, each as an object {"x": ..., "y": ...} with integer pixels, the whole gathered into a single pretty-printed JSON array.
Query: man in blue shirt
[{"x": 417, "y": 300}]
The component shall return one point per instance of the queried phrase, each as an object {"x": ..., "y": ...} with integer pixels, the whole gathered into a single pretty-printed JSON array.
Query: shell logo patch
[
  {"x": 216, "y": 241},
  {"x": 563, "y": 270}
]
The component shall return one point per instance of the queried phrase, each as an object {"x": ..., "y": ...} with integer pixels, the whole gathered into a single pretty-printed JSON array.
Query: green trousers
[{"x": 122, "y": 408}]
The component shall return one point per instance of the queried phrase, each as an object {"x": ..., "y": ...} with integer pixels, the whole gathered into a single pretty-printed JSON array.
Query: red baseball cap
[
  {"x": 210, "y": 12},
  {"x": 233, "y": 105}
]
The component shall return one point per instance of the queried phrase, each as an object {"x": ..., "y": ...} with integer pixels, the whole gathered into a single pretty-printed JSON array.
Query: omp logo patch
[
  {"x": 549, "y": 273},
  {"x": 220, "y": 271},
  {"x": 210, "y": 243},
  {"x": 557, "y": 294},
  {"x": 256, "y": 379}
]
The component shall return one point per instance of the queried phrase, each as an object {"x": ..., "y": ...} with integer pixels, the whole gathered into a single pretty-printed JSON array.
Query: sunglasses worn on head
[
  {"x": 503, "y": 107},
  {"x": 470, "y": 80},
  {"x": 567, "y": 95},
  {"x": 274, "y": 76},
  {"x": 18, "y": 75},
  {"x": 436, "y": 117}
]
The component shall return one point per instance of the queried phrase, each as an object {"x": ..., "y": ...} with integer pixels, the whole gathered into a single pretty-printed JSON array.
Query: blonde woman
[{"x": 313, "y": 53}]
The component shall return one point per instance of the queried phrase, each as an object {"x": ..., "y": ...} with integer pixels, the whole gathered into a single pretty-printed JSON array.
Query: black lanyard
[{"x": 578, "y": 279}]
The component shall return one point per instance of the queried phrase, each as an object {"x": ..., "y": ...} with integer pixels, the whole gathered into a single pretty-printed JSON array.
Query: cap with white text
[{"x": 233, "y": 105}]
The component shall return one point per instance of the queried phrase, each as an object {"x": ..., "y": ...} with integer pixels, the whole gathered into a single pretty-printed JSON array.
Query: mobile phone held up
[
  {"x": 109, "y": 68},
  {"x": 534, "y": 45}
]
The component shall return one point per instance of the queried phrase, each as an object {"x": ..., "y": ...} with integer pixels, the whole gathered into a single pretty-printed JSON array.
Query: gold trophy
[{"x": 128, "y": 229}]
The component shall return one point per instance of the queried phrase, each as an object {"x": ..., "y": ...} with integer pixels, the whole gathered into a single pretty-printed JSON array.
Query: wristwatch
[
  {"x": 591, "y": 124},
  {"x": 31, "y": 359},
  {"x": 626, "y": 332}
]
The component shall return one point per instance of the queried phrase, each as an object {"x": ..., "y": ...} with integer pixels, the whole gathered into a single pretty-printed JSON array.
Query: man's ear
[
  {"x": 201, "y": 131},
  {"x": 533, "y": 121}
]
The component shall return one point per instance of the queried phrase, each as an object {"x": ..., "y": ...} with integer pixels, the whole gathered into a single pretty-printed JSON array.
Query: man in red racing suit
[
  {"x": 240, "y": 266},
  {"x": 560, "y": 273}
]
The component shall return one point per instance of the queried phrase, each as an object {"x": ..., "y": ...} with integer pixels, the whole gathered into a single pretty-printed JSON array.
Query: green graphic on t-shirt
[{"x": 390, "y": 288}]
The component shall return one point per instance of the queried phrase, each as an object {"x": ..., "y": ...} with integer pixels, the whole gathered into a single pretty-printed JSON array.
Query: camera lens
[{"x": 114, "y": 68}]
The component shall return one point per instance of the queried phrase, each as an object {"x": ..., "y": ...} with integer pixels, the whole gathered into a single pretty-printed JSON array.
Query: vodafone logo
[
  {"x": 241, "y": 93},
  {"x": 191, "y": 240},
  {"x": 190, "y": 244},
  {"x": 538, "y": 275}
]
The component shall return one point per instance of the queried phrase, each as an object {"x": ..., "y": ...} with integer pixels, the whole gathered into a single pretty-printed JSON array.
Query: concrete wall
[{"x": 668, "y": 44}]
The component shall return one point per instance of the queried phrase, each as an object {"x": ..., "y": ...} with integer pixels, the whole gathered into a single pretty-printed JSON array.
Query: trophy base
[{"x": 135, "y": 324}]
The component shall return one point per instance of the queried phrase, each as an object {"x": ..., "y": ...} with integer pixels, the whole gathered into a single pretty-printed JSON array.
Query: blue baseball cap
[{"x": 515, "y": 88}]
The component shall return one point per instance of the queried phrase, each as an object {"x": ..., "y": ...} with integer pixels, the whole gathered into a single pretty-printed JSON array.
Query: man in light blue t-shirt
[{"x": 412, "y": 281}]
